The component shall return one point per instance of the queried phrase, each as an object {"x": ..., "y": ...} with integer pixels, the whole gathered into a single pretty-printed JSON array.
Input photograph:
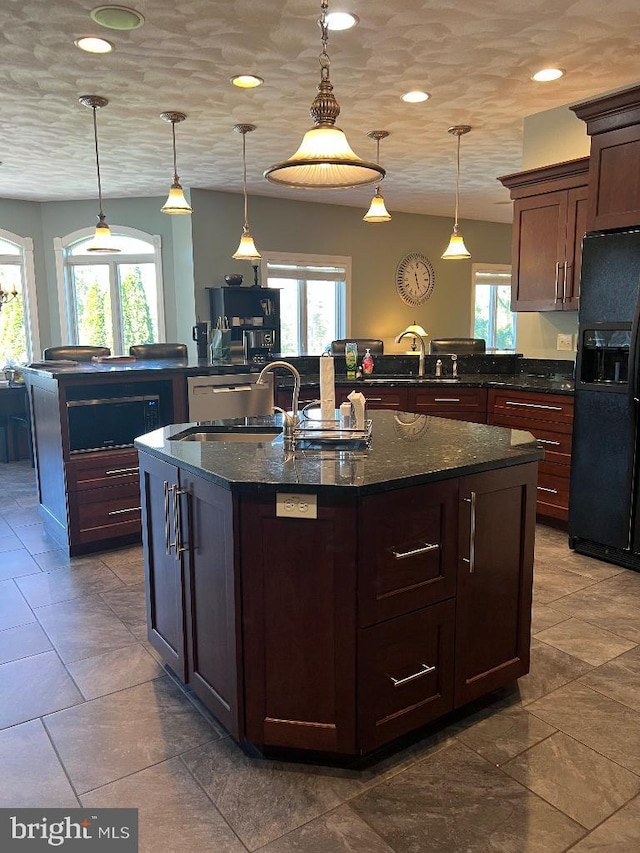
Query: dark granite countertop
[
  {"x": 406, "y": 449},
  {"x": 517, "y": 382},
  {"x": 89, "y": 368}
]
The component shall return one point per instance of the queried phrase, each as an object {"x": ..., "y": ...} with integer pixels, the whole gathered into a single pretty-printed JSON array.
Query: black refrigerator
[{"x": 604, "y": 500}]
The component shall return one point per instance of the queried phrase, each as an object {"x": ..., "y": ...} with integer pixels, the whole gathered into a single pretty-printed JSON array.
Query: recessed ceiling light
[
  {"x": 416, "y": 97},
  {"x": 92, "y": 44},
  {"x": 341, "y": 20},
  {"x": 246, "y": 81},
  {"x": 547, "y": 74},
  {"x": 117, "y": 17}
]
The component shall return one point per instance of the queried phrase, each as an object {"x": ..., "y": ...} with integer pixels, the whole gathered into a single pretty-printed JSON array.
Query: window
[
  {"x": 491, "y": 313},
  {"x": 111, "y": 300},
  {"x": 314, "y": 299},
  {"x": 19, "y": 338}
]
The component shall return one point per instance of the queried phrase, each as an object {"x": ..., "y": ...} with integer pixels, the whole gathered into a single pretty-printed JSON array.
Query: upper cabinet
[
  {"x": 549, "y": 221},
  {"x": 613, "y": 123}
]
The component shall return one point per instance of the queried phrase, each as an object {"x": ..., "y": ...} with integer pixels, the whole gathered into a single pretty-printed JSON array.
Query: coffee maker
[
  {"x": 258, "y": 344},
  {"x": 202, "y": 337}
]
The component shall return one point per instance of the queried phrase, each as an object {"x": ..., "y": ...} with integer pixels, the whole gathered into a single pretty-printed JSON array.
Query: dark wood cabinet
[
  {"x": 549, "y": 417},
  {"x": 381, "y": 397},
  {"x": 549, "y": 222},
  {"x": 495, "y": 576},
  {"x": 613, "y": 123},
  {"x": 448, "y": 401}
]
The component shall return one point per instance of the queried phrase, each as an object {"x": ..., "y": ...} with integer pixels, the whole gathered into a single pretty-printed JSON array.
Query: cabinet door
[
  {"x": 577, "y": 210},
  {"x": 386, "y": 398},
  {"x": 539, "y": 231},
  {"x": 615, "y": 178},
  {"x": 405, "y": 673},
  {"x": 447, "y": 401},
  {"x": 299, "y": 633},
  {"x": 211, "y": 629},
  {"x": 164, "y": 587},
  {"x": 495, "y": 575}
]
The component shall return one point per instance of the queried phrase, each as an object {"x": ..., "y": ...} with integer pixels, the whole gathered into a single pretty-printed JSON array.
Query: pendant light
[
  {"x": 7, "y": 295},
  {"x": 324, "y": 159},
  {"x": 246, "y": 250},
  {"x": 377, "y": 211},
  {"x": 456, "y": 248},
  {"x": 102, "y": 239},
  {"x": 176, "y": 202}
]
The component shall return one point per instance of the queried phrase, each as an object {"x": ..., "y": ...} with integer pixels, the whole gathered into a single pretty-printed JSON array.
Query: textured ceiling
[{"x": 475, "y": 57}]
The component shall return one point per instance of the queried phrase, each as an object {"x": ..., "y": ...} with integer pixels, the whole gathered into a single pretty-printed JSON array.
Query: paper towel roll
[
  {"x": 327, "y": 389},
  {"x": 358, "y": 408}
]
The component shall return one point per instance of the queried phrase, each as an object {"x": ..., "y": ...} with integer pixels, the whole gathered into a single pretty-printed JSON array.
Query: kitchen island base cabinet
[{"x": 297, "y": 635}]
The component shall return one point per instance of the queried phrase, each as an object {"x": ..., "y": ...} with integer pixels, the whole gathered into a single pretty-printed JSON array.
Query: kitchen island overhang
[{"x": 384, "y": 589}]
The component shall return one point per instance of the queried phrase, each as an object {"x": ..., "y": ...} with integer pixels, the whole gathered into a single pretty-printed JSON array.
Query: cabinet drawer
[
  {"x": 554, "y": 438},
  {"x": 405, "y": 673},
  {"x": 102, "y": 469},
  {"x": 105, "y": 513},
  {"x": 545, "y": 408},
  {"x": 387, "y": 398},
  {"x": 408, "y": 555},
  {"x": 553, "y": 490},
  {"x": 435, "y": 400}
]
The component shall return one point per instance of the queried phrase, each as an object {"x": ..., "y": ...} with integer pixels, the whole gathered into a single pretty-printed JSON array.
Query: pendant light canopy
[
  {"x": 456, "y": 249},
  {"x": 246, "y": 250},
  {"x": 324, "y": 159},
  {"x": 377, "y": 211},
  {"x": 102, "y": 240},
  {"x": 176, "y": 202}
]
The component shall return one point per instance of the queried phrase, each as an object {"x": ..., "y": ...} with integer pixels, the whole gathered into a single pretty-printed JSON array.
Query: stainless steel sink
[
  {"x": 228, "y": 434},
  {"x": 411, "y": 379}
]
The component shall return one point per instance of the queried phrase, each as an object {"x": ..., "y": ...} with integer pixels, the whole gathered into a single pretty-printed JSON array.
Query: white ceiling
[{"x": 475, "y": 57}]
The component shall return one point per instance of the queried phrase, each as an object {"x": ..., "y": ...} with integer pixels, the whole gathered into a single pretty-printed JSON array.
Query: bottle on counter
[
  {"x": 367, "y": 362},
  {"x": 438, "y": 367},
  {"x": 351, "y": 358}
]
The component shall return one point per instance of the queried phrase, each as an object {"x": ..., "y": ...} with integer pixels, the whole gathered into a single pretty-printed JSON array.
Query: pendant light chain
[
  {"x": 176, "y": 179},
  {"x": 244, "y": 181},
  {"x": 455, "y": 224},
  {"x": 95, "y": 138},
  {"x": 325, "y": 62}
]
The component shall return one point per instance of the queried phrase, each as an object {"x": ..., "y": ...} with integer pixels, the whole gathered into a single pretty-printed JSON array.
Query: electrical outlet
[
  {"x": 565, "y": 343},
  {"x": 296, "y": 505}
]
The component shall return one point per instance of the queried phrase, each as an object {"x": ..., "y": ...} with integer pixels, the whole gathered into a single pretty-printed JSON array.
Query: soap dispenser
[{"x": 367, "y": 362}]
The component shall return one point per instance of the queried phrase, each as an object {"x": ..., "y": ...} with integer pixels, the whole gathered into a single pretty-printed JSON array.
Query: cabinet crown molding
[{"x": 609, "y": 112}]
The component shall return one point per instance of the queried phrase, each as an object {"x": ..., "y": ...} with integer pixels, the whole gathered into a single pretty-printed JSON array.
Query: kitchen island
[{"x": 335, "y": 600}]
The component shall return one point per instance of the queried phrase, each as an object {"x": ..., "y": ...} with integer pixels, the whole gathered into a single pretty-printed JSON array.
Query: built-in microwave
[{"x": 111, "y": 422}]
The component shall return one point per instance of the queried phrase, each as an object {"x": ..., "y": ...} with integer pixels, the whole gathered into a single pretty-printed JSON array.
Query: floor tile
[
  {"x": 5, "y": 530},
  {"x": 606, "y": 726},
  {"x": 36, "y": 539},
  {"x": 67, "y": 583},
  {"x": 129, "y": 573},
  {"x": 9, "y": 542},
  {"x": 550, "y": 669},
  {"x": 619, "y": 834},
  {"x": 14, "y": 610},
  {"x": 34, "y": 686},
  {"x": 544, "y": 616},
  {"x": 576, "y": 780},
  {"x": 17, "y": 563},
  {"x": 119, "y": 734},
  {"x": 589, "y": 567},
  {"x": 610, "y": 604},
  {"x": 549, "y": 586},
  {"x": 500, "y": 735},
  {"x": 22, "y": 642},
  {"x": 580, "y": 639},
  {"x": 19, "y": 516},
  {"x": 83, "y": 628},
  {"x": 619, "y": 679},
  {"x": 339, "y": 831},
  {"x": 114, "y": 671},
  {"x": 32, "y": 776},
  {"x": 457, "y": 801},
  {"x": 175, "y": 815},
  {"x": 123, "y": 557},
  {"x": 60, "y": 559},
  {"x": 128, "y": 603}
]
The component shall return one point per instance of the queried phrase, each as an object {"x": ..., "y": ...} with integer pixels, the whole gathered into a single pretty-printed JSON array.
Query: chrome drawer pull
[
  {"x": 472, "y": 534},
  {"x": 122, "y": 511},
  {"x": 557, "y": 299},
  {"x": 548, "y": 441},
  {"x": 168, "y": 544},
  {"x": 177, "y": 520},
  {"x": 426, "y": 669},
  {"x": 446, "y": 400},
  {"x": 423, "y": 549},
  {"x": 551, "y": 491},
  {"x": 534, "y": 406},
  {"x": 117, "y": 471}
]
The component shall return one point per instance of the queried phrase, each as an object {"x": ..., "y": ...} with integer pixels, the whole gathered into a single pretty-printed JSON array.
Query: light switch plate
[
  {"x": 289, "y": 505},
  {"x": 565, "y": 343}
]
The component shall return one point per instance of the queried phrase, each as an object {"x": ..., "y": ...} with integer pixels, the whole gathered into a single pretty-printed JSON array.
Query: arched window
[
  {"x": 19, "y": 336},
  {"x": 112, "y": 300}
]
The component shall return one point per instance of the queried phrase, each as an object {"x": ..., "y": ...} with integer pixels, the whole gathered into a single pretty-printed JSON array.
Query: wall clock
[{"x": 415, "y": 278}]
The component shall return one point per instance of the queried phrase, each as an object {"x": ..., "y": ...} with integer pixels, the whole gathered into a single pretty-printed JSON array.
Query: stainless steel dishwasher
[{"x": 228, "y": 396}]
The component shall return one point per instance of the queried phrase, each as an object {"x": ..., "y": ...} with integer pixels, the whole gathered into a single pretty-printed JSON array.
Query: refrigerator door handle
[{"x": 634, "y": 391}]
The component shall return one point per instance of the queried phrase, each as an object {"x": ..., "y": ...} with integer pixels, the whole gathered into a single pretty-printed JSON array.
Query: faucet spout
[
  {"x": 420, "y": 341},
  {"x": 290, "y": 421}
]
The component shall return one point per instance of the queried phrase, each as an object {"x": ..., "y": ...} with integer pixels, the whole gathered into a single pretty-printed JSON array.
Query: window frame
[
  {"x": 490, "y": 268},
  {"x": 66, "y": 300},
  {"x": 307, "y": 260},
  {"x": 30, "y": 296}
]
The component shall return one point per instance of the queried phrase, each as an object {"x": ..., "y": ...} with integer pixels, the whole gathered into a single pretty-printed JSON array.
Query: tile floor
[{"x": 89, "y": 717}]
